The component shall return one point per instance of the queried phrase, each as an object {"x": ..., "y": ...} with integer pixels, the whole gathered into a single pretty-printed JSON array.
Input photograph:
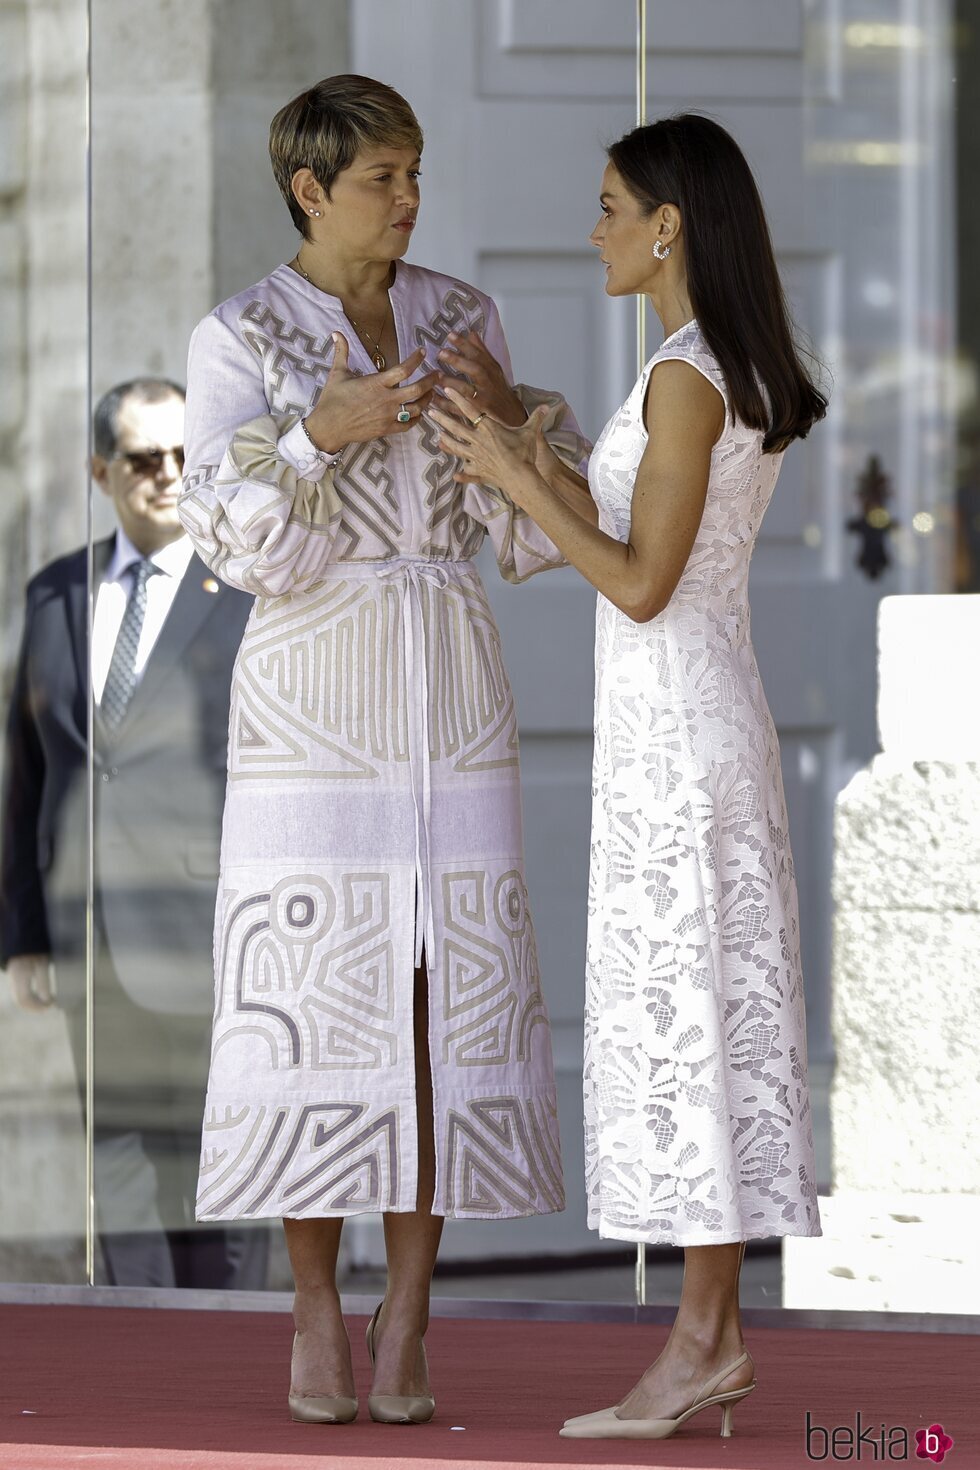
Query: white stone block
[
  {"x": 907, "y": 836},
  {"x": 887, "y": 1253},
  {"x": 928, "y": 692},
  {"x": 905, "y": 1101}
]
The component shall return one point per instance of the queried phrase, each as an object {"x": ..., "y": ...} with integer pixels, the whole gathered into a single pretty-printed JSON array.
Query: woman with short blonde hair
[{"x": 380, "y": 1038}]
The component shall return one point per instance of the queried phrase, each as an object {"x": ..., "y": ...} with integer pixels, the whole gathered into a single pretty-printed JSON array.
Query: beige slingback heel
[{"x": 606, "y": 1423}]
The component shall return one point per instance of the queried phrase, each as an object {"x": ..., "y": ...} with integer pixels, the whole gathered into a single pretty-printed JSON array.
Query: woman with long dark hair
[{"x": 698, "y": 1130}]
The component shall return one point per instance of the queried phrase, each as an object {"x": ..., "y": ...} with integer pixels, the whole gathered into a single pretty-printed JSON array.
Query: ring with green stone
[{"x": 404, "y": 417}]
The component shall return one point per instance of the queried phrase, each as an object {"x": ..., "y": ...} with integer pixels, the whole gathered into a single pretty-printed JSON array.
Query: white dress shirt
[{"x": 113, "y": 594}]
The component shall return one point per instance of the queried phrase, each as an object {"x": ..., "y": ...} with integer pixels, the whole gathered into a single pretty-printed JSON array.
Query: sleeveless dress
[{"x": 697, "y": 1115}]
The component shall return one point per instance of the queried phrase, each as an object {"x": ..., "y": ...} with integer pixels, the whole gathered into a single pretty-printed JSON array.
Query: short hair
[
  {"x": 105, "y": 420},
  {"x": 324, "y": 129}
]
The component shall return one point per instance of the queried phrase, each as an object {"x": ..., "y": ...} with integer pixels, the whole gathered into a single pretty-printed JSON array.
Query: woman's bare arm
[
  {"x": 684, "y": 417},
  {"x": 573, "y": 489}
]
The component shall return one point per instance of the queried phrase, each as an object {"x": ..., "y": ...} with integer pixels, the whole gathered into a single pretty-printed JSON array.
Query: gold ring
[{"x": 479, "y": 419}]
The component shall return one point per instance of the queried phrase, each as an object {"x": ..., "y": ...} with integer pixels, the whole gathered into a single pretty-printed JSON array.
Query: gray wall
[
  {"x": 185, "y": 210},
  {"x": 43, "y": 327}
]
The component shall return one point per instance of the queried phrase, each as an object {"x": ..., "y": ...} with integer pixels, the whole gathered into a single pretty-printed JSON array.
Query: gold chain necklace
[{"x": 377, "y": 356}]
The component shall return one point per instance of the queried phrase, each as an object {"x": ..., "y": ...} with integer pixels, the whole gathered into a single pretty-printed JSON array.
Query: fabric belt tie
[{"x": 413, "y": 572}]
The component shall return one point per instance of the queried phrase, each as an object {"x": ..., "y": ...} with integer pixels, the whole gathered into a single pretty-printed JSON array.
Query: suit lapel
[
  {"x": 76, "y": 597},
  {"x": 192, "y": 604}
]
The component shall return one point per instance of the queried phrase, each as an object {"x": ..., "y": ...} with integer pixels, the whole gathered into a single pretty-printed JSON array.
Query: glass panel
[
  {"x": 967, "y": 53},
  {"x": 43, "y": 347},
  {"x": 514, "y": 220},
  {"x": 165, "y": 636},
  {"x": 875, "y": 290},
  {"x": 185, "y": 213}
]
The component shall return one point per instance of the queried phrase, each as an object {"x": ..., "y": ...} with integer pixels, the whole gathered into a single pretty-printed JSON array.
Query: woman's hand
[
  {"x": 353, "y": 409},
  {"x": 490, "y": 452},
  {"x": 489, "y": 391}
]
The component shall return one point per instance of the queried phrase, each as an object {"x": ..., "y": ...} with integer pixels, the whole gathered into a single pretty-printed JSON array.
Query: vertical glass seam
[
  {"x": 641, "y": 117},
  {"x": 89, "y": 700},
  {"x": 640, "y": 1284}
]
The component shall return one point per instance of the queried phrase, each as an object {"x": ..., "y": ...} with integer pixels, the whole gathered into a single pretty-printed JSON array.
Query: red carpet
[{"x": 162, "y": 1390}]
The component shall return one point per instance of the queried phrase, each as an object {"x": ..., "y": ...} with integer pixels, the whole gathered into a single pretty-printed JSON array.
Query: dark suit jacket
[{"x": 159, "y": 785}]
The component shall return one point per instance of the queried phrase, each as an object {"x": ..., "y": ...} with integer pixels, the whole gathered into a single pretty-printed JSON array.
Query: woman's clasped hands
[
  {"x": 489, "y": 451},
  {"x": 355, "y": 408},
  {"x": 476, "y": 373}
]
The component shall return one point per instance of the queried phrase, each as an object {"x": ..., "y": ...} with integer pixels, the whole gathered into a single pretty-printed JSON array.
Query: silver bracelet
[{"x": 321, "y": 454}]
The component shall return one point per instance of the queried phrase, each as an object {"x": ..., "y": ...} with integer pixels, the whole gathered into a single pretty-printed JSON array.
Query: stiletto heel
[
  {"x": 606, "y": 1423},
  {"x": 396, "y": 1408},
  {"x": 321, "y": 1408}
]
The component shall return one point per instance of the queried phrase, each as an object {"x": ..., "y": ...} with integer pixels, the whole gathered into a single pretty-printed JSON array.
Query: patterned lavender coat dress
[{"x": 373, "y": 801}]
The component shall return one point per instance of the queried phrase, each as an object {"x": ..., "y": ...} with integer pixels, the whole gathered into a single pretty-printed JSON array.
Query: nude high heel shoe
[
  {"x": 606, "y": 1423},
  {"x": 321, "y": 1408},
  {"x": 396, "y": 1408}
]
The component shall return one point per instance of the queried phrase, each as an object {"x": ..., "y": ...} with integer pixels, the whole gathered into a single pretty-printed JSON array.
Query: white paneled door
[{"x": 843, "y": 115}]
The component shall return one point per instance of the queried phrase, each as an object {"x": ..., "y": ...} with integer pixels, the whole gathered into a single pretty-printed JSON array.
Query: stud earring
[
  {"x": 316, "y": 212},
  {"x": 660, "y": 250}
]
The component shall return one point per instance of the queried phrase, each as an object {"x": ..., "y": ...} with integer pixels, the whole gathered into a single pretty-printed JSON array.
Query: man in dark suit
[{"x": 165, "y": 636}]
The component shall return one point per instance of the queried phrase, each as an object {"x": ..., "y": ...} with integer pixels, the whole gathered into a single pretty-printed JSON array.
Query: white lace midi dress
[{"x": 697, "y": 1114}]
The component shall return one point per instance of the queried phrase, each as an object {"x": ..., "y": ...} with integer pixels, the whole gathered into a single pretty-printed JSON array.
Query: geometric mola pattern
[
  {"x": 309, "y": 1007},
  {"x": 373, "y": 810}
]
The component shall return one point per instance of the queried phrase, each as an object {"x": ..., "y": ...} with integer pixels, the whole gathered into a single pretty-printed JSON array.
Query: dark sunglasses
[{"x": 151, "y": 461}]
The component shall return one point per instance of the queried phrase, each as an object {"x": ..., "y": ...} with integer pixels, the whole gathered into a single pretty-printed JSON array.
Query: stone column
[
  {"x": 152, "y": 190},
  {"x": 43, "y": 313},
  {"x": 903, "y": 1218},
  {"x": 185, "y": 209},
  {"x": 43, "y": 439}
]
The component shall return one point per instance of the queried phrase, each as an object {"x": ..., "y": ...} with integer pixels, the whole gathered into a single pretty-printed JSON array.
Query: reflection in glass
[{"x": 164, "y": 637}]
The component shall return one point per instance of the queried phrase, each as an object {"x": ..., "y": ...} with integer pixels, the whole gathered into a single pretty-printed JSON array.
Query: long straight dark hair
[{"x": 691, "y": 162}]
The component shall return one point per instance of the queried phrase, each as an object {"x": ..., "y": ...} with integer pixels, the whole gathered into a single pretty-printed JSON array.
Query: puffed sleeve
[
  {"x": 257, "y": 502},
  {"x": 521, "y": 546}
]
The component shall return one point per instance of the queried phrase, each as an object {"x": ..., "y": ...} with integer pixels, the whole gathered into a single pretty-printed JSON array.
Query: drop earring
[{"x": 660, "y": 250}]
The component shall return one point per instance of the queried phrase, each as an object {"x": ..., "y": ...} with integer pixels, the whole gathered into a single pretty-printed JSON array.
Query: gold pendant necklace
[{"x": 377, "y": 356}]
